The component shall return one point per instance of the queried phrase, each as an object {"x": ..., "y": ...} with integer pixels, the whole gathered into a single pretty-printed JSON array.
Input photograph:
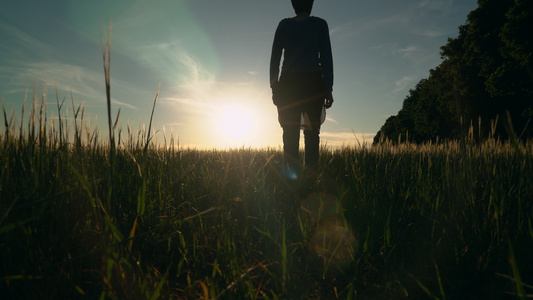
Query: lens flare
[{"x": 332, "y": 240}]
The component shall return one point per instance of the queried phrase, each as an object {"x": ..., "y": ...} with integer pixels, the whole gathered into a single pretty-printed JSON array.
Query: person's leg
[
  {"x": 312, "y": 145},
  {"x": 311, "y": 135},
  {"x": 291, "y": 139},
  {"x": 289, "y": 118}
]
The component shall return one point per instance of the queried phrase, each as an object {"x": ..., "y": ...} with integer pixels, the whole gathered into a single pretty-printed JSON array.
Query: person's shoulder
[
  {"x": 285, "y": 20},
  {"x": 284, "y": 23},
  {"x": 318, "y": 20}
]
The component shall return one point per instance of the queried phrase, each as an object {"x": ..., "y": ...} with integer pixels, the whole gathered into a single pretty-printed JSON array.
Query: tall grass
[{"x": 126, "y": 219}]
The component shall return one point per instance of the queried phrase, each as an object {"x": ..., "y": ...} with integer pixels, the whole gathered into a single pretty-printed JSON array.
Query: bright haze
[{"x": 211, "y": 59}]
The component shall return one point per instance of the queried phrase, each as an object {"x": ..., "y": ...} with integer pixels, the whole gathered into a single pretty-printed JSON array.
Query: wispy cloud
[
  {"x": 189, "y": 106},
  {"x": 182, "y": 69},
  {"x": 441, "y": 5},
  {"x": 416, "y": 54},
  {"x": 417, "y": 18},
  {"x": 124, "y": 104},
  {"x": 49, "y": 65},
  {"x": 430, "y": 33},
  {"x": 343, "y": 28},
  {"x": 338, "y": 139},
  {"x": 330, "y": 119},
  {"x": 410, "y": 51},
  {"x": 85, "y": 84},
  {"x": 404, "y": 83},
  {"x": 22, "y": 40},
  {"x": 354, "y": 28},
  {"x": 174, "y": 124}
]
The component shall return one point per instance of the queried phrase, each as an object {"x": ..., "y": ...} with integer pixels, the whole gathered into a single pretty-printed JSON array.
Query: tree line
[{"x": 482, "y": 87}]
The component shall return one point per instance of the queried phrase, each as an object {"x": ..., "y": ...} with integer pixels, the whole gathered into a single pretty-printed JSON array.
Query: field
[{"x": 125, "y": 219}]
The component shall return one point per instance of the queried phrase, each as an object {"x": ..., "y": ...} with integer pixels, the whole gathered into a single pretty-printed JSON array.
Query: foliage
[{"x": 486, "y": 75}]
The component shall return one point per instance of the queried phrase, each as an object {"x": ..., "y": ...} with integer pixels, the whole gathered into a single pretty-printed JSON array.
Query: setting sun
[
  {"x": 246, "y": 118},
  {"x": 236, "y": 122}
]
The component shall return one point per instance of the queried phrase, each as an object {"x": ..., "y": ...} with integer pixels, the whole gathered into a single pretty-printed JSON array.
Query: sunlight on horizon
[
  {"x": 236, "y": 122},
  {"x": 230, "y": 116}
]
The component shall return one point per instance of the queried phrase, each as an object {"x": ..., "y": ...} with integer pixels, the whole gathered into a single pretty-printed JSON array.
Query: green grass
[{"x": 387, "y": 222}]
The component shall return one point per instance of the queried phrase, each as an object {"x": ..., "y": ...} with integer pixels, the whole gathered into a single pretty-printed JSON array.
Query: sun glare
[
  {"x": 243, "y": 119},
  {"x": 236, "y": 123}
]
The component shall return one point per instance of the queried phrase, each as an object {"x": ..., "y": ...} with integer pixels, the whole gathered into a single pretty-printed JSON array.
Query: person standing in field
[{"x": 303, "y": 90}]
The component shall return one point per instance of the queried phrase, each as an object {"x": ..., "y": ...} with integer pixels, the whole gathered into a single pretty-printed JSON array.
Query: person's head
[{"x": 302, "y": 6}]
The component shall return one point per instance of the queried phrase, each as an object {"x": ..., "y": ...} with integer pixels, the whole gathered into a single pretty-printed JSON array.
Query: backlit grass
[{"x": 442, "y": 221}]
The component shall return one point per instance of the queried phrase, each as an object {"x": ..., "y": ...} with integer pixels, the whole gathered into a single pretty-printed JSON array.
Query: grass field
[{"x": 81, "y": 218}]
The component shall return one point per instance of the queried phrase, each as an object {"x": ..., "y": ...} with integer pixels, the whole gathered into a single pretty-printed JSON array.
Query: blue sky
[{"x": 211, "y": 59}]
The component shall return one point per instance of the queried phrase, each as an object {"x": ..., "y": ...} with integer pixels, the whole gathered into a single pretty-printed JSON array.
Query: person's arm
[
  {"x": 326, "y": 58},
  {"x": 275, "y": 57},
  {"x": 326, "y": 64}
]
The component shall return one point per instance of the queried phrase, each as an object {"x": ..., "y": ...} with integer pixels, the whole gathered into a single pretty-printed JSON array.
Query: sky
[{"x": 211, "y": 61}]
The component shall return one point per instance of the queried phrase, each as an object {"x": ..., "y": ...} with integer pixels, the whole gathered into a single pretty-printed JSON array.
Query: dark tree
[{"x": 486, "y": 75}]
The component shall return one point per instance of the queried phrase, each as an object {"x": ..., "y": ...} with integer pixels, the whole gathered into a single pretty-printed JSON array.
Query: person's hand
[{"x": 328, "y": 102}]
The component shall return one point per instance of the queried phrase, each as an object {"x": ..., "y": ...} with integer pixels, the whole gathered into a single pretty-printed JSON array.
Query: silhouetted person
[{"x": 304, "y": 88}]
